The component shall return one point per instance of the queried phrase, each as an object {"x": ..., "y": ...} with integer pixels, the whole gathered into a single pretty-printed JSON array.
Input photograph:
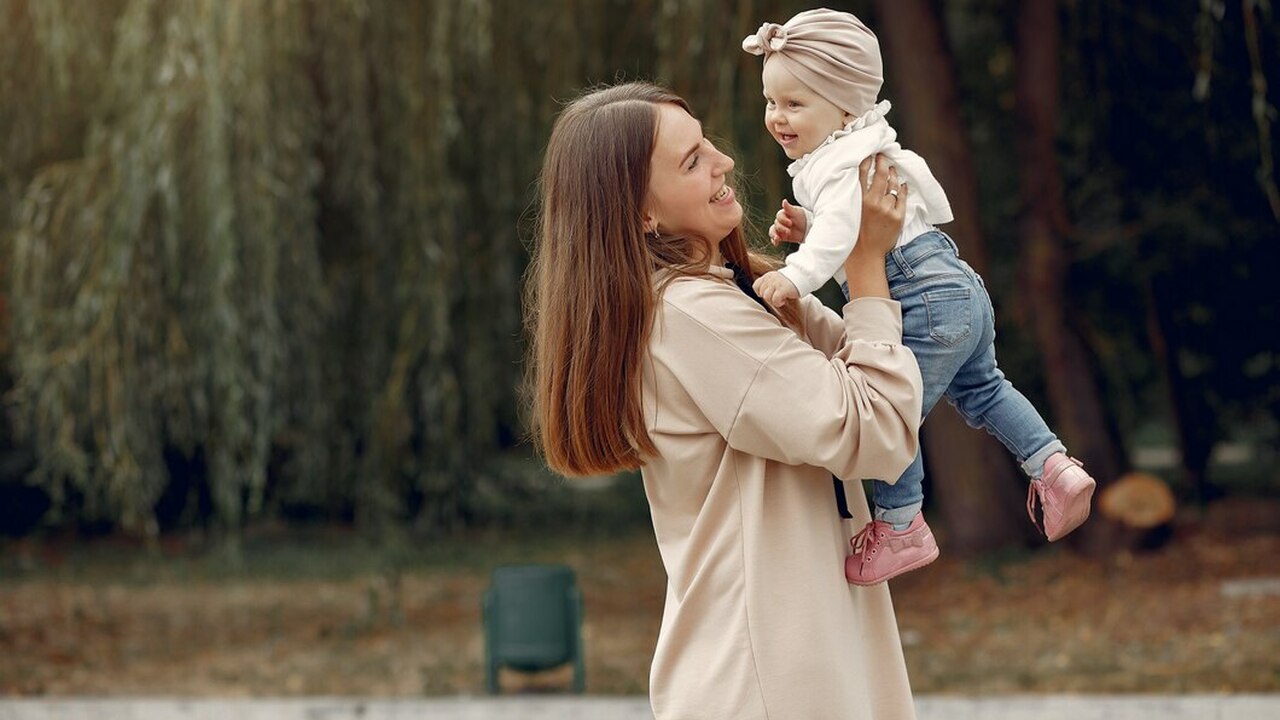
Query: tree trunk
[
  {"x": 1194, "y": 420},
  {"x": 975, "y": 479},
  {"x": 1080, "y": 415}
]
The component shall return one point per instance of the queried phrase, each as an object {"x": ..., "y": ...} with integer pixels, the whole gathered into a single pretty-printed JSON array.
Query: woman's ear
[{"x": 650, "y": 225}]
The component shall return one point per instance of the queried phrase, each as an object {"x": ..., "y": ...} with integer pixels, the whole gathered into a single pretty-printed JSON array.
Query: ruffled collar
[{"x": 866, "y": 119}]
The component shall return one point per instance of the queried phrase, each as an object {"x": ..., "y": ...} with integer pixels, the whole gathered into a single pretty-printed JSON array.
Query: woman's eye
[{"x": 694, "y": 164}]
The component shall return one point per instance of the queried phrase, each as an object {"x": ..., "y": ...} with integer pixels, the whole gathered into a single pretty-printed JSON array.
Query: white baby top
[{"x": 825, "y": 183}]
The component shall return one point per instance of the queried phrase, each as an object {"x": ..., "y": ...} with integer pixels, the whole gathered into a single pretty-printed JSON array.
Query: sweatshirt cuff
[
  {"x": 799, "y": 279},
  {"x": 874, "y": 319}
]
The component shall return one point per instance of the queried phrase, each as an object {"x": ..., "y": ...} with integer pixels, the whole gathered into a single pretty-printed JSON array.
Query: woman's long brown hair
[{"x": 590, "y": 292}]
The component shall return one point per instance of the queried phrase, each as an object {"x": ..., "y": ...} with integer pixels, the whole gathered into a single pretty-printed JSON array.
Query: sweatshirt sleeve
[
  {"x": 823, "y": 327},
  {"x": 770, "y": 394},
  {"x": 833, "y": 230}
]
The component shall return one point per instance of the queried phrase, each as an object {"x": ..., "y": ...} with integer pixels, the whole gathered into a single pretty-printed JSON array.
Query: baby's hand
[
  {"x": 789, "y": 225},
  {"x": 776, "y": 289}
]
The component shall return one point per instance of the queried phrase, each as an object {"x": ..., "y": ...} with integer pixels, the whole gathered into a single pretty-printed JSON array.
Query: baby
[{"x": 822, "y": 75}]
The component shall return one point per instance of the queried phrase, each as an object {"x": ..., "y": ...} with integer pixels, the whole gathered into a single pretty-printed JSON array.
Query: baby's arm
[
  {"x": 789, "y": 224},
  {"x": 775, "y": 289},
  {"x": 837, "y": 212}
]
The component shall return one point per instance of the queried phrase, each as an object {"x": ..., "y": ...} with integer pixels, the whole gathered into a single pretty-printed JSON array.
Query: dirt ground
[{"x": 1202, "y": 614}]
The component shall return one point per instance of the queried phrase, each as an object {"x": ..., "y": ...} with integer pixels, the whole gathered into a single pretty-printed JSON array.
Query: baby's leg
[
  {"x": 941, "y": 324},
  {"x": 1060, "y": 495},
  {"x": 986, "y": 399},
  {"x": 937, "y": 297},
  {"x": 898, "y": 503}
]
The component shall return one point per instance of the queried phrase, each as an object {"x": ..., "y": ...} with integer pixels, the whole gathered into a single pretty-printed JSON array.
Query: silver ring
[{"x": 894, "y": 192}]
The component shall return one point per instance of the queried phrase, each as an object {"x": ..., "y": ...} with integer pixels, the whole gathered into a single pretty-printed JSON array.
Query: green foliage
[
  {"x": 246, "y": 254},
  {"x": 263, "y": 257}
]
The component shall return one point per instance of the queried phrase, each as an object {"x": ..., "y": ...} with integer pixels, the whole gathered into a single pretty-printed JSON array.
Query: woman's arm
[
  {"x": 881, "y": 225},
  {"x": 773, "y": 395},
  {"x": 884, "y": 206}
]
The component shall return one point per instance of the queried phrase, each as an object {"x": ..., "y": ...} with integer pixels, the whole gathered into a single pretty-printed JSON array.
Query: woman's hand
[{"x": 884, "y": 207}]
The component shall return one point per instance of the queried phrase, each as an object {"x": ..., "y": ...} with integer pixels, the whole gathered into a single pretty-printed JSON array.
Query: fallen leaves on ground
[{"x": 1042, "y": 621}]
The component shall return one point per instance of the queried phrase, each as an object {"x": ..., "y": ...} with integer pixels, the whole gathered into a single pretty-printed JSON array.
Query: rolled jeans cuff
[
  {"x": 1034, "y": 465},
  {"x": 899, "y": 516}
]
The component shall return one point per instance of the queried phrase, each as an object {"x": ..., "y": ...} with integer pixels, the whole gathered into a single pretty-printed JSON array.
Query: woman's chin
[
  {"x": 731, "y": 226},
  {"x": 736, "y": 211}
]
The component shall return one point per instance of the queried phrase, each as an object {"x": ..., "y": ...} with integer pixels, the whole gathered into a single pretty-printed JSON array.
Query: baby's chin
[{"x": 795, "y": 152}]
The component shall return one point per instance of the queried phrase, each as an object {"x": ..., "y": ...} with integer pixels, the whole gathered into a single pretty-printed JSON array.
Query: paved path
[{"x": 1030, "y": 707}]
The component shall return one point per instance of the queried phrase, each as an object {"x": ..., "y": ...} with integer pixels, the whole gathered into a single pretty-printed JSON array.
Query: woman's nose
[{"x": 725, "y": 163}]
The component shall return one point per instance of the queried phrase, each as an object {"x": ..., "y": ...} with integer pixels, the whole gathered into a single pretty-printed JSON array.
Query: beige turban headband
[{"x": 832, "y": 52}]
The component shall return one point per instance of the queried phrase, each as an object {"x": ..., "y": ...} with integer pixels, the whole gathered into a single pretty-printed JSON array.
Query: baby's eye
[{"x": 793, "y": 104}]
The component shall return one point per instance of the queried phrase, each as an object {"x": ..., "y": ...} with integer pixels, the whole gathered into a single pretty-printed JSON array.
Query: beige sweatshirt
[{"x": 750, "y": 420}]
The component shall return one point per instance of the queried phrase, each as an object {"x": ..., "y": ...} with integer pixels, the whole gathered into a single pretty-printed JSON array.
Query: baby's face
[{"x": 797, "y": 117}]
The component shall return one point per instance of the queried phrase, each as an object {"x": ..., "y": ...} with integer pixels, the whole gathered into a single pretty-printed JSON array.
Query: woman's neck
[{"x": 714, "y": 257}]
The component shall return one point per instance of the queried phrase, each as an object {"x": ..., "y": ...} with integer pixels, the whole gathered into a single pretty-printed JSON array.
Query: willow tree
[
  {"x": 236, "y": 254},
  {"x": 154, "y": 268},
  {"x": 267, "y": 254}
]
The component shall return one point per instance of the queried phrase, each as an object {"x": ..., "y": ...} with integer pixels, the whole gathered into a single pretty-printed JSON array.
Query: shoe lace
[
  {"x": 1033, "y": 505},
  {"x": 865, "y": 537}
]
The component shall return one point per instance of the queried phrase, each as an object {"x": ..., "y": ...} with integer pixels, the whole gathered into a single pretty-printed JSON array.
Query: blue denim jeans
[{"x": 948, "y": 322}]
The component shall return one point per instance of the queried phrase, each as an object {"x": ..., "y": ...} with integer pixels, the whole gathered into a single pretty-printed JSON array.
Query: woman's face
[{"x": 688, "y": 194}]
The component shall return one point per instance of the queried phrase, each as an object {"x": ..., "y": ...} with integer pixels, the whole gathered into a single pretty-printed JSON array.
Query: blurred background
[{"x": 261, "y": 344}]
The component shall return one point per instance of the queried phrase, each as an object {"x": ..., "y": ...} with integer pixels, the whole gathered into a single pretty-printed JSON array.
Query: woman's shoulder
[
  {"x": 696, "y": 311},
  {"x": 707, "y": 299}
]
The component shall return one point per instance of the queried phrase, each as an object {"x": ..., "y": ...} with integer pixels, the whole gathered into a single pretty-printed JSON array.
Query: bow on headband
[
  {"x": 770, "y": 38},
  {"x": 833, "y": 53}
]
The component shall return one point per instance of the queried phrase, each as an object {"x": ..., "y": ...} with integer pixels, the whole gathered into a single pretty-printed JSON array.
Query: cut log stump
[{"x": 1143, "y": 506}]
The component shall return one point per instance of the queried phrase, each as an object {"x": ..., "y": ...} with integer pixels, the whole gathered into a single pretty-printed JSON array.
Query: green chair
[{"x": 533, "y": 622}]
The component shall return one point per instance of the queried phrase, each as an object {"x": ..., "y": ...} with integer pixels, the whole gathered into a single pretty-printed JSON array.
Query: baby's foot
[
  {"x": 1063, "y": 492},
  {"x": 880, "y": 552}
]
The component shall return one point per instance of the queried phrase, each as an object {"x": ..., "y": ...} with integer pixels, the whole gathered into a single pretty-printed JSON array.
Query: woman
[{"x": 649, "y": 351}]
